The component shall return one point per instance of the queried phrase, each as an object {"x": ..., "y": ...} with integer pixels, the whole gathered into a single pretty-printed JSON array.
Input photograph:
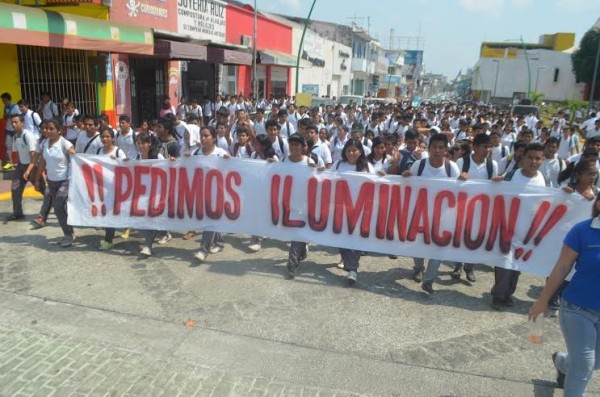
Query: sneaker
[
  {"x": 105, "y": 246},
  {"x": 456, "y": 272},
  {"x": 352, "y": 277},
  {"x": 255, "y": 247},
  {"x": 215, "y": 249},
  {"x": 189, "y": 235},
  {"x": 125, "y": 234},
  {"x": 38, "y": 223},
  {"x": 560, "y": 376},
  {"x": 427, "y": 287},
  {"x": 200, "y": 255},
  {"x": 341, "y": 265},
  {"x": 8, "y": 167},
  {"x": 418, "y": 276},
  {"x": 509, "y": 301},
  {"x": 164, "y": 239},
  {"x": 67, "y": 241},
  {"x": 470, "y": 275},
  {"x": 13, "y": 217},
  {"x": 146, "y": 252},
  {"x": 498, "y": 303}
]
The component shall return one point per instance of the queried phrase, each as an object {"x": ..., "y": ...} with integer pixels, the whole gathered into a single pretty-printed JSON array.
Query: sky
[{"x": 452, "y": 30}]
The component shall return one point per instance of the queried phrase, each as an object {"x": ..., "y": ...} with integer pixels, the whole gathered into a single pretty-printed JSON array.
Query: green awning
[{"x": 35, "y": 26}]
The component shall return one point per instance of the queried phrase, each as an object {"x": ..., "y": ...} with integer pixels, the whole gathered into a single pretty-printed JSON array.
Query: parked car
[
  {"x": 524, "y": 110},
  {"x": 347, "y": 99}
]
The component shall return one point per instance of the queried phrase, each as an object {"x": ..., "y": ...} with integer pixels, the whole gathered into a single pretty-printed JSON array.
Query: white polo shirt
[
  {"x": 478, "y": 171},
  {"x": 24, "y": 143},
  {"x": 56, "y": 155}
]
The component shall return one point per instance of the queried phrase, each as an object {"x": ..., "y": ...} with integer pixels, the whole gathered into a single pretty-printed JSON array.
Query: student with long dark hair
[
  {"x": 211, "y": 242},
  {"x": 353, "y": 159},
  {"x": 148, "y": 146},
  {"x": 110, "y": 150}
]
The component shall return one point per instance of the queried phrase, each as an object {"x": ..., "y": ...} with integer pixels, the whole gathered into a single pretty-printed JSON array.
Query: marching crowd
[{"x": 430, "y": 141}]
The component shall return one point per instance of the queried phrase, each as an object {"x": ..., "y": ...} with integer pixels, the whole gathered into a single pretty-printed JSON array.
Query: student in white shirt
[
  {"x": 297, "y": 251},
  {"x": 125, "y": 138},
  {"x": 24, "y": 143},
  {"x": 89, "y": 140},
  {"x": 378, "y": 157},
  {"x": 319, "y": 148},
  {"x": 435, "y": 166},
  {"x": 71, "y": 133},
  {"x": 110, "y": 150},
  {"x": 568, "y": 143},
  {"x": 553, "y": 165},
  {"x": 211, "y": 241},
  {"x": 286, "y": 128},
  {"x": 55, "y": 160},
  {"x": 32, "y": 119},
  {"x": 511, "y": 162},
  {"x": 259, "y": 122},
  {"x": 280, "y": 145},
  {"x": 241, "y": 148},
  {"x": 47, "y": 108},
  {"x": 527, "y": 175},
  {"x": 594, "y": 131},
  {"x": 476, "y": 166},
  {"x": 353, "y": 159}
]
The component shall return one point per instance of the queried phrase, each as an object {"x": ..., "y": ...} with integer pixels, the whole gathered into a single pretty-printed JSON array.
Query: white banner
[
  {"x": 202, "y": 19},
  {"x": 494, "y": 223}
]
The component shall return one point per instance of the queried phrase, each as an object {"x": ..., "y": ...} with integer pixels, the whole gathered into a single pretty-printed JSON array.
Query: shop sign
[
  {"x": 202, "y": 19},
  {"x": 158, "y": 14}
]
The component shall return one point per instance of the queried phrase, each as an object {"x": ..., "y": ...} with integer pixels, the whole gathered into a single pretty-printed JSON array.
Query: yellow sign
[{"x": 303, "y": 99}]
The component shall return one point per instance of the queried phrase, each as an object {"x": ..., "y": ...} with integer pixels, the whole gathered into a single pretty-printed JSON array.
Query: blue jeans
[
  {"x": 581, "y": 328},
  {"x": 433, "y": 265}
]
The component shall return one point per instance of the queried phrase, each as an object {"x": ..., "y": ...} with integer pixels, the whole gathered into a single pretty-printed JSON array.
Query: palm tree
[{"x": 536, "y": 97}]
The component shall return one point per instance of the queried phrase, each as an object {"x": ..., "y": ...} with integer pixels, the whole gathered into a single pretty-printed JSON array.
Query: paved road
[{"x": 80, "y": 322}]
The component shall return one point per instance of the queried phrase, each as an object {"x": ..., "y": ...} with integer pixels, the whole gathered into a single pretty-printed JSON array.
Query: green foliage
[
  {"x": 536, "y": 97},
  {"x": 573, "y": 106},
  {"x": 584, "y": 58}
]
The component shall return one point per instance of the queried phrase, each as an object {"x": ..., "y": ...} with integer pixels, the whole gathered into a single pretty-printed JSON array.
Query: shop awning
[
  {"x": 34, "y": 26},
  {"x": 227, "y": 56},
  {"x": 272, "y": 57},
  {"x": 179, "y": 50}
]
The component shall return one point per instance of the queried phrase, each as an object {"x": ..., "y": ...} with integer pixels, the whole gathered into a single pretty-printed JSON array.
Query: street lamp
[
  {"x": 537, "y": 78},
  {"x": 527, "y": 61},
  {"x": 302, "y": 44},
  {"x": 497, "y": 62}
]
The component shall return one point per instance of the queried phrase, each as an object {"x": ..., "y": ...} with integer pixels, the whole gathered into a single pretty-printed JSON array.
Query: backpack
[
  {"x": 509, "y": 176},
  {"x": 280, "y": 142},
  {"x": 423, "y": 162},
  {"x": 489, "y": 165},
  {"x": 236, "y": 148},
  {"x": 406, "y": 162}
]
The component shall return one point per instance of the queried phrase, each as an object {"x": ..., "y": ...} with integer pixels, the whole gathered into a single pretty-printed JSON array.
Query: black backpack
[
  {"x": 423, "y": 162},
  {"x": 489, "y": 165}
]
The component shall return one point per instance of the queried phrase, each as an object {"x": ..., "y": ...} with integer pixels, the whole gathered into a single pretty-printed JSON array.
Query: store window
[
  {"x": 62, "y": 72},
  {"x": 231, "y": 80}
]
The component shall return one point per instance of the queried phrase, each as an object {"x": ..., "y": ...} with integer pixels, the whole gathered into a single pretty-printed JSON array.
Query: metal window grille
[{"x": 62, "y": 72}]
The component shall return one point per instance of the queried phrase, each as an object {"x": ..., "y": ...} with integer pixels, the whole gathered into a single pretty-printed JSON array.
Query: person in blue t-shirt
[{"x": 580, "y": 304}]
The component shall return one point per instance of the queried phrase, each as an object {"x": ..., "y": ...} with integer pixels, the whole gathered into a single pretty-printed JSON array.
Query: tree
[
  {"x": 584, "y": 58},
  {"x": 536, "y": 97},
  {"x": 573, "y": 106}
]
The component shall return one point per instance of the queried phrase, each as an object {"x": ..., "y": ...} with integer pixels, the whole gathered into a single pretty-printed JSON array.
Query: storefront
[
  {"x": 274, "y": 58},
  {"x": 66, "y": 54}
]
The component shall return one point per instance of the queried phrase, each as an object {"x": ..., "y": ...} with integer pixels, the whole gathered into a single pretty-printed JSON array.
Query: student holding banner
[
  {"x": 211, "y": 242},
  {"x": 353, "y": 160},
  {"x": 297, "y": 250},
  {"x": 528, "y": 175},
  {"x": 434, "y": 166},
  {"x": 476, "y": 166}
]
